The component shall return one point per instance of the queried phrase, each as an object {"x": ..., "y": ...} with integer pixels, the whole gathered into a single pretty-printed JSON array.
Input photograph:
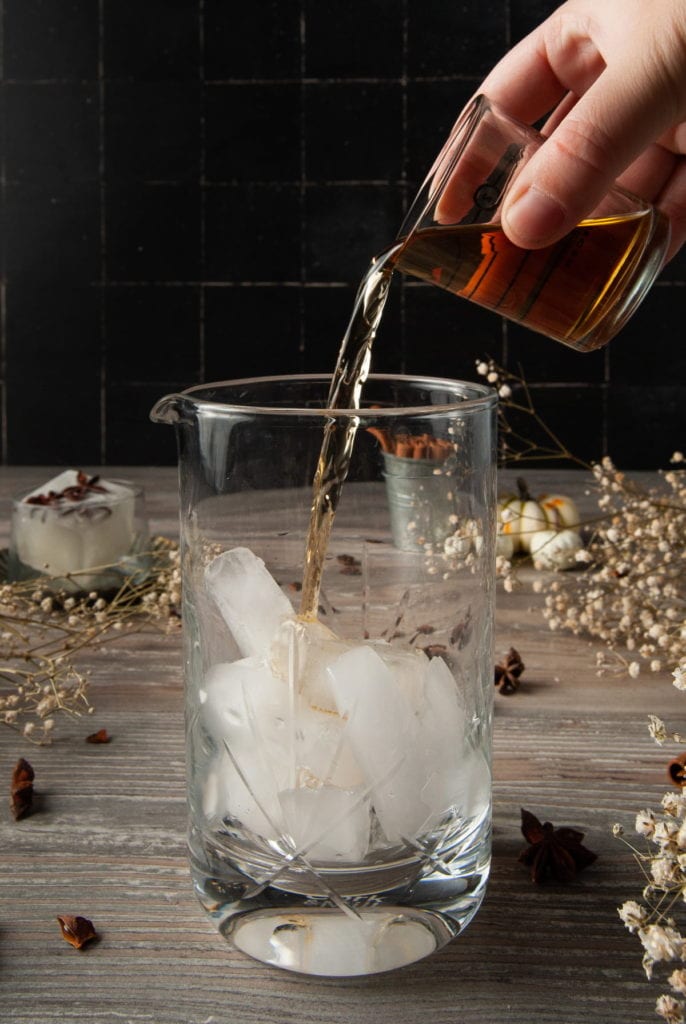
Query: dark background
[{"x": 192, "y": 189}]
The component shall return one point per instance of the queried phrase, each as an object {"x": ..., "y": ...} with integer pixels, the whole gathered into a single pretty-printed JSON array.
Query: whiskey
[
  {"x": 579, "y": 291},
  {"x": 351, "y": 371}
]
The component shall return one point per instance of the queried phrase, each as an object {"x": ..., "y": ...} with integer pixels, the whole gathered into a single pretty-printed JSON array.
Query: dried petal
[
  {"x": 21, "y": 789},
  {"x": 101, "y": 736},
  {"x": 76, "y": 930}
]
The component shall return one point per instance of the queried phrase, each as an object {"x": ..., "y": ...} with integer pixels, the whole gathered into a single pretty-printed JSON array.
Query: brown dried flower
[
  {"x": 101, "y": 736},
  {"x": 76, "y": 930},
  {"x": 21, "y": 789}
]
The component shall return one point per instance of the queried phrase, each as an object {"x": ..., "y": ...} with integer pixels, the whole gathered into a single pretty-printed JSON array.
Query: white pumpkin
[
  {"x": 555, "y": 549},
  {"x": 521, "y": 516},
  {"x": 562, "y": 510}
]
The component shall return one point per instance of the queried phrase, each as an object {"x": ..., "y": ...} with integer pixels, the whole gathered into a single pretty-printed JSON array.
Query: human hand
[{"x": 615, "y": 70}]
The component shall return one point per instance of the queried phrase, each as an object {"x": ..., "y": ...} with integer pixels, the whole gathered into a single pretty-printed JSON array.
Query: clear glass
[
  {"x": 89, "y": 541},
  {"x": 339, "y": 765},
  {"x": 580, "y": 291}
]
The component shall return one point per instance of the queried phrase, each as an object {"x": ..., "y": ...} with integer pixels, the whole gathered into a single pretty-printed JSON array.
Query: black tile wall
[{"x": 192, "y": 192}]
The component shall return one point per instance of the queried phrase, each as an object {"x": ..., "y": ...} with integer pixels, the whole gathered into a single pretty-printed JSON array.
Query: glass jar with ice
[
  {"x": 79, "y": 532},
  {"x": 338, "y": 755}
]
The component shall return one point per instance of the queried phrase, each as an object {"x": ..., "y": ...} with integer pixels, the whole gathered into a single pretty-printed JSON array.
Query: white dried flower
[
  {"x": 634, "y": 669},
  {"x": 482, "y": 368},
  {"x": 679, "y": 676},
  {"x": 677, "y": 980},
  {"x": 677, "y": 457},
  {"x": 657, "y": 729},
  {"x": 663, "y": 869},
  {"x": 645, "y": 823},
  {"x": 670, "y": 1009},
  {"x": 661, "y": 943},
  {"x": 505, "y": 391},
  {"x": 633, "y": 915}
]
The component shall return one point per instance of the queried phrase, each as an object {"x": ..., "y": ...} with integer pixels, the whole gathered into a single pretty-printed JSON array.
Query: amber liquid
[
  {"x": 579, "y": 291},
  {"x": 345, "y": 392}
]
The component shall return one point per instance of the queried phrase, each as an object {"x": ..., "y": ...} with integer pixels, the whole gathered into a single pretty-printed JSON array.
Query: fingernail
[{"x": 534, "y": 217}]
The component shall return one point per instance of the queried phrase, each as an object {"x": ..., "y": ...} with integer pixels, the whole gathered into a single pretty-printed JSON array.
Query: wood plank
[{"x": 107, "y": 841}]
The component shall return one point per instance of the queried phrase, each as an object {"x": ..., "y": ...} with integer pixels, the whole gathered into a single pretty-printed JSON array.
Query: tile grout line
[
  {"x": 102, "y": 195},
  {"x": 202, "y": 354},
  {"x": 302, "y": 193},
  {"x": 4, "y": 439},
  {"x": 404, "y": 163}
]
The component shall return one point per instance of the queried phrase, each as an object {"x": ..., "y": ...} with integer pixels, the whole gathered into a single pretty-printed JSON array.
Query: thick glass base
[{"x": 343, "y": 921}]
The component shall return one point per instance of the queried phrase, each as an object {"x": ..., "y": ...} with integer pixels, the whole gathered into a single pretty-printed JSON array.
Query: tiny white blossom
[
  {"x": 482, "y": 368},
  {"x": 505, "y": 391},
  {"x": 661, "y": 943},
  {"x": 677, "y": 457},
  {"x": 657, "y": 729},
  {"x": 634, "y": 669},
  {"x": 645, "y": 823},
  {"x": 662, "y": 870},
  {"x": 677, "y": 980},
  {"x": 679, "y": 676},
  {"x": 632, "y": 914},
  {"x": 670, "y": 1009}
]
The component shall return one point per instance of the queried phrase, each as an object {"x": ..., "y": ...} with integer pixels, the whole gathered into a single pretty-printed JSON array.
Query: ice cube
[
  {"x": 244, "y": 706},
  {"x": 409, "y": 668},
  {"x": 327, "y": 824},
  {"x": 464, "y": 786},
  {"x": 304, "y": 650},
  {"x": 323, "y": 751},
  {"x": 442, "y": 718},
  {"x": 249, "y": 599},
  {"x": 247, "y": 794},
  {"x": 383, "y": 733},
  {"x": 74, "y": 533}
]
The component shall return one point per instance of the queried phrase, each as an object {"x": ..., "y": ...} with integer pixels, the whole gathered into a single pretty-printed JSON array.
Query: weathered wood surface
[{"x": 107, "y": 841}]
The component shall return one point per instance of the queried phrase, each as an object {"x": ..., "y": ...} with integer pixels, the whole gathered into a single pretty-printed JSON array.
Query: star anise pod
[
  {"x": 555, "y": 852},
  {"x": 508, "y": 671}
]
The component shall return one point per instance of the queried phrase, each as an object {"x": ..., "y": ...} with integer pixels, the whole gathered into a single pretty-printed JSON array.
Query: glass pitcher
[{"x": 338, "y": 764}]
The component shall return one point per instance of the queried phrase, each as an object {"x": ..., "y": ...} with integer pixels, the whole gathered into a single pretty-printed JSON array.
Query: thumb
[{"x": 568, "y": 176}]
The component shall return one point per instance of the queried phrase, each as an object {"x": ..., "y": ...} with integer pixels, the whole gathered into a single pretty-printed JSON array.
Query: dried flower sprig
[
  {"x": 632, "y": 596},
  {"x": 523, "y": 434},
  {"x": 664, "y": 871},
  {"x": 43, "y": 629}
]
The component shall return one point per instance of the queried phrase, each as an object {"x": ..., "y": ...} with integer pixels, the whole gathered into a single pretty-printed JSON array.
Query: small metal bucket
[{"x": 421, "y": 501}]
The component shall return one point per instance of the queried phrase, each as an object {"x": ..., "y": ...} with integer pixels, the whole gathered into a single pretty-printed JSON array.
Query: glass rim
[
  {"x": 484, "y": 397},
  {"x": 465, "y": 126}
]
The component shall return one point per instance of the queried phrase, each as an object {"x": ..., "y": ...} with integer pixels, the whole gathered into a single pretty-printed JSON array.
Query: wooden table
[{"x": 108, "y": 842}]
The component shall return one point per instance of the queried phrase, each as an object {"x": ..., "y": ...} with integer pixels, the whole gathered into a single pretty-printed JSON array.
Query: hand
[{"x": 615, "y": 70}]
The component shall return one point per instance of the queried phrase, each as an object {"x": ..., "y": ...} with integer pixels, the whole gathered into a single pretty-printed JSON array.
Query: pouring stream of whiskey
[{"x": 349, "y": 375}]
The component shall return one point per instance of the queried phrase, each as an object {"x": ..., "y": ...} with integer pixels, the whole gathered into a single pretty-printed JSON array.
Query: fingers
[
  {"x": 672, "y": 202},
  {"x": 607, "y": 129}
]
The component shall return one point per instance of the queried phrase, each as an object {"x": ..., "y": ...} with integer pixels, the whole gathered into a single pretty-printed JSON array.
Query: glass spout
[{"x": 169, "y": 409}]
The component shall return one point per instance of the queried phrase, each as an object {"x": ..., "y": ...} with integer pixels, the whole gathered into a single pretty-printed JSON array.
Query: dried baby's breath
[
  {"x": 630, "y": 595},
  {"x": 43, "y": 630}
]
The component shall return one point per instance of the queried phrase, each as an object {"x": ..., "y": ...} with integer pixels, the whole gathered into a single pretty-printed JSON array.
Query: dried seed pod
[
  {"x": 21, "y": 789},
  {"x": 76, "y": 930}
]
